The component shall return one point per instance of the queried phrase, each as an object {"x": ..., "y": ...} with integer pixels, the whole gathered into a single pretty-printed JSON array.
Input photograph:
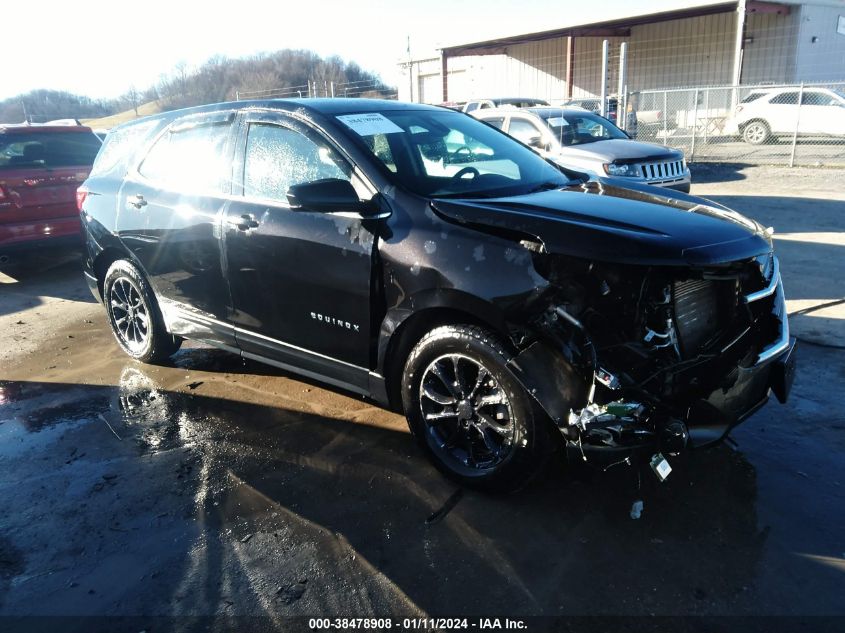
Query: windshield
[
  {"x": 572, "y": 128},
  {"x": 448, "y": 154}
]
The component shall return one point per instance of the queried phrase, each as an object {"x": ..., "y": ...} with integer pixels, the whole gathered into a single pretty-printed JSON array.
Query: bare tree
[{"x": 132, "y": 98}]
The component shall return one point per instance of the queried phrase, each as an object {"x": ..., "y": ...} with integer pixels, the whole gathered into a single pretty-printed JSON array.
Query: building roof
[{"x": 621, "y": 27}]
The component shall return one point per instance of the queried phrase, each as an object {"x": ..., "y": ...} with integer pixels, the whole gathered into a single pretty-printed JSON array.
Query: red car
[{"x": 40, "y": 168}]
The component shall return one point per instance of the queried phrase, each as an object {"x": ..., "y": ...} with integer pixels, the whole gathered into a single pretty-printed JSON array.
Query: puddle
[
  {"x": 9, "y": 392},
  {"x": 157, "y": 419},
  {"x": 138, "y": 410},
  {"x": 34, "y": 407},
  {"x": 40, "y": 419},
  {"x": 208, "y": 359}
]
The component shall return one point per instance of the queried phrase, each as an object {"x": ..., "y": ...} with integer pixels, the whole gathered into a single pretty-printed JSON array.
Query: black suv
[{"x": 426, "y": 260}]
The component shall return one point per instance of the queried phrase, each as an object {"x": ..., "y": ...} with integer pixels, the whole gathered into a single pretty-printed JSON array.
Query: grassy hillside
[{"x": 121, "y": 117}]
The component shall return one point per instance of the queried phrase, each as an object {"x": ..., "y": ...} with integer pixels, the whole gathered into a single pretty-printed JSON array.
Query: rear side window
[
  {"x": 189, "y": 157},
  {"x": 278, "y": 157},
  {"x": 785, "y": 98},
  {"x": 119, "y": 146},
  {"x": 817, "y": 98},
  {"x": 48, "y": 149}
]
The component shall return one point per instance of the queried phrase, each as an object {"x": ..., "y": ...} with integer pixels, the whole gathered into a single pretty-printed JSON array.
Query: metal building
[{"x": 711, "y": 44}]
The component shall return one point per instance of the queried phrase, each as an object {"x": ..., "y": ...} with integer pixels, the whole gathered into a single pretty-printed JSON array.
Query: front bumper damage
[{"x": 620, "y": 422}]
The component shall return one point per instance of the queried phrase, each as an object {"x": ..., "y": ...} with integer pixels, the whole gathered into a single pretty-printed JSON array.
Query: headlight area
[
  {"x": 614, "y": 169},
  {"x": 665, "y": 356}
]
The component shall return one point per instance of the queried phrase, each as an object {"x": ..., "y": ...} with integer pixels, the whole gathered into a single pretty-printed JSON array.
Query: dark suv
[
  {"x": 41, "y": 167},
  {"x": 426, "y": 260}
]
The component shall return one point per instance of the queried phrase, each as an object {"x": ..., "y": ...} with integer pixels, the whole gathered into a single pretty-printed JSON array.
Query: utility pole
[
  {"x": 410, "y": 72},
  {"x": 739, "y": 45}
]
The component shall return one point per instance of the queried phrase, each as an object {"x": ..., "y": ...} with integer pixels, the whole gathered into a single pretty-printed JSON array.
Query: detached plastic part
[{"x": 637, "y": 509}]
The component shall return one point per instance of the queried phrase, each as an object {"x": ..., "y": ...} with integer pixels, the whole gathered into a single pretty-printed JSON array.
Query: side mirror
[
  {"x": 536, "y": 142},
  {"x": 327, "y": 196}
]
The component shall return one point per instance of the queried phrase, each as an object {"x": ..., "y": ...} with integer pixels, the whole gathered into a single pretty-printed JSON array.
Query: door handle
[
  {"x": 246, "y": 223},
  {"x": 137, "y": 201}
]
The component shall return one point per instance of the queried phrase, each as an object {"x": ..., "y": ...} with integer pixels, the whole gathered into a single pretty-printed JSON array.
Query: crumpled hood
[
  {"x": 623, "y": 150},
  {"x": 601, "y": 221}
]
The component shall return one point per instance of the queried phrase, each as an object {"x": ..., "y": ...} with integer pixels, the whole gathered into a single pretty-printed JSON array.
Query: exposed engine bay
[{"x": 669, "y": 356}]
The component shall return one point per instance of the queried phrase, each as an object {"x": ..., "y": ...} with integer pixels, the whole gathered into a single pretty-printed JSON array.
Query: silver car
[{"x": 584, "y": 141}]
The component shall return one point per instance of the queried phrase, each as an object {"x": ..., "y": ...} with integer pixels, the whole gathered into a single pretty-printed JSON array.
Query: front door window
[{"x": 278, "y": 157}]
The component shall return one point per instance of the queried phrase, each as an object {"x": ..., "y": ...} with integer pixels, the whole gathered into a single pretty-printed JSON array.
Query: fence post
[
  {"x": 694, "y": 125},
  {"x": 332, "y": 90},
  {"x": 605, "y": 53},
  {"x": 706, "y": 111},
  {"x": 621, "y": 111},
  {"x": 797, "y": 121},
  {"x": 665, "y": 118}
]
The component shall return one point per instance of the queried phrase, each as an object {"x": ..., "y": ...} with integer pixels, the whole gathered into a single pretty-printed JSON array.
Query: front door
[
  {"x": 822, "y": 113},
  {"x": 300, "y": 280},
  {"x": 782, "y": 113}
]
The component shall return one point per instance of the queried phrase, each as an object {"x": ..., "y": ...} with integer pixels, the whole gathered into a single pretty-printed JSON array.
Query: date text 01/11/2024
[{"x": 432, "y": 624}]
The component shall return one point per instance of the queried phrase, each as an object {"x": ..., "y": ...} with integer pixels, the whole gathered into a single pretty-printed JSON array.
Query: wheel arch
[
  {"x": 104, "y": 260},
  {"x": 755, "y": 119},
  {"x": 402, "y": 329}
]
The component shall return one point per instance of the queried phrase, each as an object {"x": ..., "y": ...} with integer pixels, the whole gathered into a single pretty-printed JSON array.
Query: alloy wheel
[
  {"x": 755, "y": 133},
  {"x": 129, "y": 314},
  {"x": 467, "y": 413}
]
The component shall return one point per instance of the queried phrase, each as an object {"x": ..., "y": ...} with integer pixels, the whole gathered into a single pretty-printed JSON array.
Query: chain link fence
[
  {"x": 790, "y": 124},
  {"x": 323, "y": 89}
]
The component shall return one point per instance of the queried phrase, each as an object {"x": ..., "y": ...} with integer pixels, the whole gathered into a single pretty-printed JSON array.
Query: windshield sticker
[
  {"x": 557, "y": 121},
  {"x": 369, "y": 124}
]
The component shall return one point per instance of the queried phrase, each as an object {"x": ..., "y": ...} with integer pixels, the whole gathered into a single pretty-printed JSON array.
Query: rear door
[
  {"x": 170, "y": 211},
  {"x": 40, "y": 170}
]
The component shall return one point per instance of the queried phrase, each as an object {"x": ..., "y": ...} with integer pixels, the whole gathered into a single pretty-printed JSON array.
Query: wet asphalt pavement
[{"x": 211, "y": 486}]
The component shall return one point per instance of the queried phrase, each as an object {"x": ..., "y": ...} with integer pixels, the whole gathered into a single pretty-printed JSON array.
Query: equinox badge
[{"x": 333, "y": 321}]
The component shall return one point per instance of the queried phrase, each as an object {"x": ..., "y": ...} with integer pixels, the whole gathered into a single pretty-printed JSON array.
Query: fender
[
  {"x": 551, "y": 380},
  {"x": 429, "y": 301}
]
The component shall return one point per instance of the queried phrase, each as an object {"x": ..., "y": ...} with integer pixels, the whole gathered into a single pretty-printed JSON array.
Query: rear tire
[
  {"x": 756, "y": 132},
  {"x": 134, "y": 314},
  {"x": 469, "y": 412}
]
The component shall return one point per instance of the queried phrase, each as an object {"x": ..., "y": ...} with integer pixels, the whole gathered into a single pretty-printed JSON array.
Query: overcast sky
[{"x": 100, "y": 48}]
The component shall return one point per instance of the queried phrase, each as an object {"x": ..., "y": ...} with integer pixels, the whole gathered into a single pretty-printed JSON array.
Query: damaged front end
[{"x": 646, "y": 359}]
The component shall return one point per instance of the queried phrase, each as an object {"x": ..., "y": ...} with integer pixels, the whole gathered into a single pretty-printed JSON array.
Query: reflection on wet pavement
[{"x": 219, "y": 487}]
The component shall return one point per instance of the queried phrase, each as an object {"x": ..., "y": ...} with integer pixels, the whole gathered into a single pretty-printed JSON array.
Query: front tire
[
  {"x": 756, "y": 133},
  {"x": 134, "y": 315},
  {"x": 469, "y": 412}
]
